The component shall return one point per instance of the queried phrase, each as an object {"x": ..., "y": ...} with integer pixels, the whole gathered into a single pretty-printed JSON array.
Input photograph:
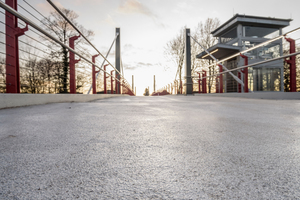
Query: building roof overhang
[
  {"x": 219, "y": 51},
  {"x": 248, "y": 20}
]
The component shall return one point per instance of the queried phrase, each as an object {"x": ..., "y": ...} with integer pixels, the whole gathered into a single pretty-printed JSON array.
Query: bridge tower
[
  {"x": 188, "y": 78},
  {"x": 118, "y": 59}
]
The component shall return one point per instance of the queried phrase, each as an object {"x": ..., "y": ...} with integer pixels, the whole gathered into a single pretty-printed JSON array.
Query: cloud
[
  {"x": 128, "y": 47},
  {"x": 46, "y": 7},
  {"x": 137, "y": 65},
  {"x": 109, "y": 20},
  {"x": 134, "y": 6},
  {"x": 80, "y": 2}
]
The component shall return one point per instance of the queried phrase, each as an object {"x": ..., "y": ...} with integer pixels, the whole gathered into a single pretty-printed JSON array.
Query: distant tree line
[{"x": 202, "y": 33}]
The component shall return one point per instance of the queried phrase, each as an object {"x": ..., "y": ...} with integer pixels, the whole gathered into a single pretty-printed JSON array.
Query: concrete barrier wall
[
  {"x": 16, "y": 100},
  {"x": 259, "y": 95}
]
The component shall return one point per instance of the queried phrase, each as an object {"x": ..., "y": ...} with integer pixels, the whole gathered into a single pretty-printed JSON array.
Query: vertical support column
[
  {"x": 94, "y": 72},
  {"x": 13, "y": 32},
  {"x": 204, "y": 82},
  {"x": 181, "y": 87},
  {"x": 120, "y": 85},
  {"x": 154, "y": 84},
  {"x": 217, "y": 84},
  {"x": 118, "y": 58},
  {"x": 72, "y": 63},
  {"x": 282, "y": 68},
  {"x": 220, "y": 79},
  {"x": 188, "y": 78},
  {"x": 292, "y": 63},
  {"x": 111, "y": 82},
  {"x": 240, "y": 34},
  {"x": 199, "y": 90},
  {"x": 225, "y": 88},
  {"x": 132, "y": 83},
  {"x": 239, "y": 85},
  {"x": 245, "y": 71},
  {"x": 116, "y": 83}
]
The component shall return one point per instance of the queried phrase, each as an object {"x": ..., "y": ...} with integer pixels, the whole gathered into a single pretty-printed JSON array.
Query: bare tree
[
  {"x": 205, "y": 38},
  {"x": 2, "y": 75},
  {"x": 176, "y": 47},
  {"x": 56, "y": 24},
  {"x": 175, "y": 50}
]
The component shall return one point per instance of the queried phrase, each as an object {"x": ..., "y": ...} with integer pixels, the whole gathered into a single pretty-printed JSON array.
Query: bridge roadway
[{"x": 171, "y": 147}]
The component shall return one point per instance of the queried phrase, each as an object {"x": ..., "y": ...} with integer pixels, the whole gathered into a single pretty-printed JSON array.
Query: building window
[
  {"x": 266, "y": 52},
  {"x": 260, "y": 32},
  {"x": 228, "y": 36}
]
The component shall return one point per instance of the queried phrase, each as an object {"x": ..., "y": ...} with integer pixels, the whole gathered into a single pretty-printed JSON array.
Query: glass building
[{"x": 242, "y": 32}]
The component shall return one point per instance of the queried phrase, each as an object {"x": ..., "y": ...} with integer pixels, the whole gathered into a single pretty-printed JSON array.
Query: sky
[{"x": 147, "y": 26}]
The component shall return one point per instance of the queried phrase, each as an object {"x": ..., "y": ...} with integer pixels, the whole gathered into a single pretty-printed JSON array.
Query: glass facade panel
[
  {"x": 265, "y": 52},
  {"x": 230, "y": 35},
  {"x": 264, "y": 79},
  {"x": 260, "y": 32}
]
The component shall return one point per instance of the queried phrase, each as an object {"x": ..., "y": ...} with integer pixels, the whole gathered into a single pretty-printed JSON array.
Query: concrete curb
[
  {"x": 17, "y": 100},
  {"x": 258, "y": 95}
]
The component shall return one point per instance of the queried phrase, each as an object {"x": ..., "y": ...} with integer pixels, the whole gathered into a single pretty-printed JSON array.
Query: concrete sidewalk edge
[
  {"x": 258, "y": 95},
  {"x": 17, "y": 100}
]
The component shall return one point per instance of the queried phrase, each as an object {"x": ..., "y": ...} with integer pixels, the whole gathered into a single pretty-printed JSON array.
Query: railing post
[
  {"x": 120, "y": 85},
  {"x": 199, "y": 91},
  {"x": 104, "y": 79},
  {"x": 292, "y": 63},
  {"x": 220, "y": 79},
  {"x": 118, "y": 59},
  {"x": 111, "y": 82},
  {"x": 116, "y": 82},
  {"x": 245, "y": 71},
  {"x": 72, "y": 65},
  {"x": 239, "y": 85},
  {"x": 132, "y": 83},
  {"x": 181, "y": 87},
  {"x": 12, "y": 49},
  {"x": 94, "y": 72},
  {"x": 217, "y": 84},
  {"x": 204, "y": 83}
]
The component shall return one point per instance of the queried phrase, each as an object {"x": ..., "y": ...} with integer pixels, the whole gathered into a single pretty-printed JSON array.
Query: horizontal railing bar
[
  {"x": 250, "y": 65},
  {"x": 17, "y": 14}
]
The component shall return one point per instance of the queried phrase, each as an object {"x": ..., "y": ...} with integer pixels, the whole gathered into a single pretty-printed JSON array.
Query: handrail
[
  {"x": 251, "y": 65},
  {"x": 17, "y": 14}
]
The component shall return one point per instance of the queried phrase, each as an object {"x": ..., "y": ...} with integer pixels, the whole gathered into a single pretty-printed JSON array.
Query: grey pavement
[{"x": 171, "y": 147}]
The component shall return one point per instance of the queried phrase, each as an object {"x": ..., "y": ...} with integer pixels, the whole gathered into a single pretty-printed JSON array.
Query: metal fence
[{"x": 37, "y": 55}]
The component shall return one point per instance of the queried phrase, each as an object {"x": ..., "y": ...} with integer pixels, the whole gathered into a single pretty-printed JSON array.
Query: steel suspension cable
[
  {"x": 112, "y": 44},
  {"x": 59, "y": 11},
  {"x": 17, "y": 14},
  {"x": 42, "y": 15},
  {"x": 235, "y": 77}
]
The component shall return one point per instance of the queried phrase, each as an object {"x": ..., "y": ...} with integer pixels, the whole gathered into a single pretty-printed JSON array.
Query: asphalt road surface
[{"x": 171, "y": 147}]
